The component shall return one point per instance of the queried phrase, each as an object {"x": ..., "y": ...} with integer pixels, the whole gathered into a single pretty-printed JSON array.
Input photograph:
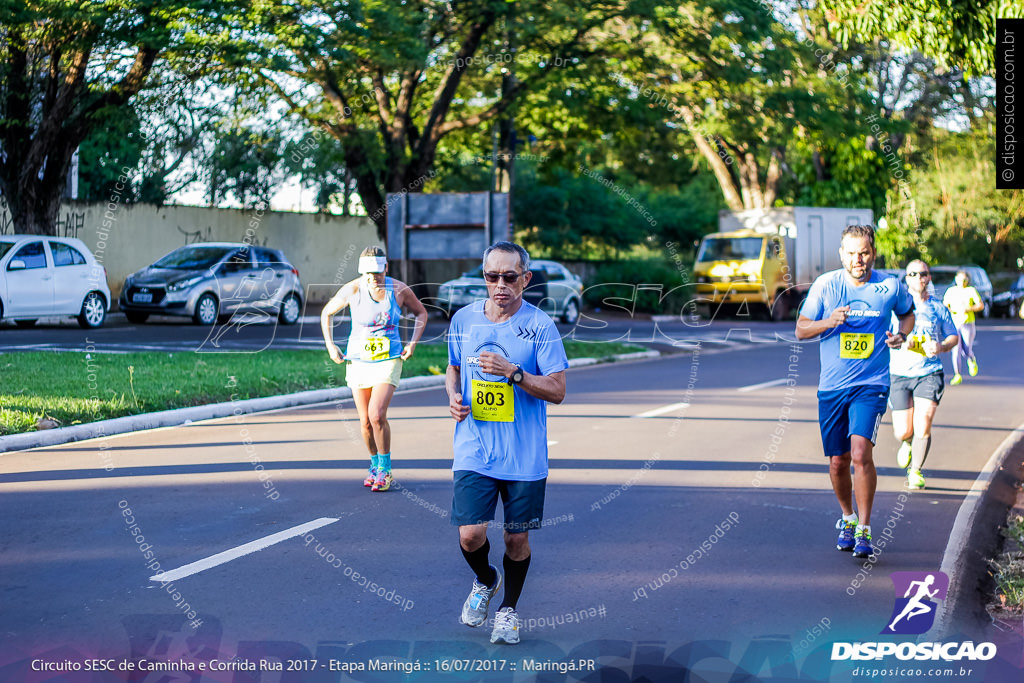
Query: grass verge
[
  {"x": 73, "y": 388},
  {"x": 1009, "y": 570}
]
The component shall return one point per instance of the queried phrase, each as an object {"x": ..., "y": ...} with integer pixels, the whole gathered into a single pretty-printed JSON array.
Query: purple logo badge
[{"x": 917, "y": 594}]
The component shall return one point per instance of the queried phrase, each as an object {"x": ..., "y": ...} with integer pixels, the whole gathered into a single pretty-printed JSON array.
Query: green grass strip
[{"x": 75, "y": 387}]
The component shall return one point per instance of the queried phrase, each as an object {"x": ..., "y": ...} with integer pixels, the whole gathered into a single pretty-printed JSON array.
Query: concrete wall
[{"x": 127, "y": 237}]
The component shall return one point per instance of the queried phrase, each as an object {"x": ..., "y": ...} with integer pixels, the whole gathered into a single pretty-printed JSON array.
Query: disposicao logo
[{"x": 913, "y": 613}]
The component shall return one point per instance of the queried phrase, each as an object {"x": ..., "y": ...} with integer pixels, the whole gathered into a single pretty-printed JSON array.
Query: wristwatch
[{"x": 517, "y": 375}]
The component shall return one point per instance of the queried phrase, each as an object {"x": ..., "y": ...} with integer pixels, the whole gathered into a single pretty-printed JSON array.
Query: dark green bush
[{"x": 647, "y": 285}]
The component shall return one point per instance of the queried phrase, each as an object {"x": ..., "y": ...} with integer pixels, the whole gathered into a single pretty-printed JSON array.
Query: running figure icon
[{"x": 915, "y": 606}]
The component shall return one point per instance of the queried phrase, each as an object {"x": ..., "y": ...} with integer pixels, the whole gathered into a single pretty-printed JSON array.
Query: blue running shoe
[
  {"x": 846, "y": 530},
  {"x": 862, "y": 547}
]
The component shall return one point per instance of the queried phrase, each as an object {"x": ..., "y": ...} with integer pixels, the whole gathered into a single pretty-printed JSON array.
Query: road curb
[
  {"x": 181, "y": 416},
  {"x": 974, "y": 539}
]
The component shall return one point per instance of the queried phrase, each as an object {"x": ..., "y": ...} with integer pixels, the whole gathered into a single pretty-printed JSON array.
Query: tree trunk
[
  {"x": 34, "y": 209},
  {"x": 719, "y": 167}
]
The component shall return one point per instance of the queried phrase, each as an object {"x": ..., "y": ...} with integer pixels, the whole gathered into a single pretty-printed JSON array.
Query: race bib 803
[{"x": 492, "y": 401}]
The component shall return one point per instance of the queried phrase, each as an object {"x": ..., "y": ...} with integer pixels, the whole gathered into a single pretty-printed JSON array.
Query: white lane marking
[
  {"x": 762, "y": 385},
  {"x": 241, "y": 551},
  {"x": 552, "y": 443},
  {"x": 1013, "y": 337},
  {"x": 664, "y": 409}
]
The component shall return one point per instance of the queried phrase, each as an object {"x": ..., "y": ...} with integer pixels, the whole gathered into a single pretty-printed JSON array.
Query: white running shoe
[
  {"x": 915, "y": 479},
  {"x": 903, "y": 455},
  {"x": 474, "y": 611},
  {"x": 506, "y": 626}
]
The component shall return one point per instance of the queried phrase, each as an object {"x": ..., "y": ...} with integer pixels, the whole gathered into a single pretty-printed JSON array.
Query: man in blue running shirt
[
  {"x": 850, "y": 310},
  {"x": 506, "y": 362}
]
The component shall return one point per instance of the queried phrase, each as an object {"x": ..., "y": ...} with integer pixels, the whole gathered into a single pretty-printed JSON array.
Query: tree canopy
[
  {"x": 64, "y": 67},
  {"x": 957, "y": 34}
]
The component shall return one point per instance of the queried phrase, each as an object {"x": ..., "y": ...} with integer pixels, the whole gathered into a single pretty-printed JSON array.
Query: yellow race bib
[
  {"x": 493, "y": 401},
  {"x": 856, "y": 345},
  {"x": 376, "y": 348}
]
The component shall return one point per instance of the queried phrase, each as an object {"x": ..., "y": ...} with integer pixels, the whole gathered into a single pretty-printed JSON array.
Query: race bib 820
[{"x": 856, "y": 345}]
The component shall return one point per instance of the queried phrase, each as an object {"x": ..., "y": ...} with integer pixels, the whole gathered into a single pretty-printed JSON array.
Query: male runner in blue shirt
[
  {"x": 850, "y": 310},
  {"x": 505, "y": 363}
]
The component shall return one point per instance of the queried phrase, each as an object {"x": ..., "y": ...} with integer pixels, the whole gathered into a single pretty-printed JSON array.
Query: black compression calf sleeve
[
  {"x": 477, "y": 560},
  {"x": 515, "y": 577}
]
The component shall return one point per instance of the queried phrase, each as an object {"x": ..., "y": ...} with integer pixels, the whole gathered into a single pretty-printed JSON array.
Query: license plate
[{"x": 142, "y": 298}]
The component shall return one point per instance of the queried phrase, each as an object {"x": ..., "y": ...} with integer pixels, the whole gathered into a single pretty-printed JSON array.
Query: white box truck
[{"x": 766, "y": 259}]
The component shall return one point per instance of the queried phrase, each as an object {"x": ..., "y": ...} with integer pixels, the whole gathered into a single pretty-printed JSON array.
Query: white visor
[{"x": 372, "y": 264}]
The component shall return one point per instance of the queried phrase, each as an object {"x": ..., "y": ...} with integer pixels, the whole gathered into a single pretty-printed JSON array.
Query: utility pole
[{"x": 505, "y": 132}]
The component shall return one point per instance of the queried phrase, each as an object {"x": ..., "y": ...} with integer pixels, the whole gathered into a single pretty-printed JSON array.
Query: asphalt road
[
  {"x": 252, "y": 333},
  {"x": 662, "y": 540}
]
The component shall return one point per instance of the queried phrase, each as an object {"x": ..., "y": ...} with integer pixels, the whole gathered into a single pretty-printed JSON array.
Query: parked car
[
  {"x": 211, "y": 281},
  {"x": 42, "y": 277},
  {"x": 553, "y": 289},
  {"x": 943, "y": 277},
  {"x": 1009, "y": 303}
]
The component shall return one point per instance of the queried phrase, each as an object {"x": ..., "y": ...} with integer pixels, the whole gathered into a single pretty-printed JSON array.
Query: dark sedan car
[{"x": 1009, "y": 303}]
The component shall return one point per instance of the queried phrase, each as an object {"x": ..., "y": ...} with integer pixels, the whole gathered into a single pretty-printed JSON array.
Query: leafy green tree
[
  {"x": 245, "y": 164},
  {"x": 955, "y": 33},
  {"x": 63, "y": 65},
  {"x": 749, "y": 93},
  {"x": 180, "y": 117},
  {"x": 952, "y": 212},
  {"x": 319, "y": 161},
  {"x": 106, "y": 152},
  {"x": 391, "y": 80}
]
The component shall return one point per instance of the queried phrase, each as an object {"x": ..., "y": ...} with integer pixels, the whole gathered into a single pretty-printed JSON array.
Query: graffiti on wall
[
  {"x": 69, "y": 224},
  {"x": 206, "y": 235}
]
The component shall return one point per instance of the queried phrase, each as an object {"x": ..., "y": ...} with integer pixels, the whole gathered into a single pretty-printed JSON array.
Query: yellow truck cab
[
  {"x": 763, "y": 261},
  {"x": 743, "y": 267}
]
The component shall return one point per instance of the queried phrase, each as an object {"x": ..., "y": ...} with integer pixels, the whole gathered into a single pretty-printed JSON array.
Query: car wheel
[
  {"x": 206, "y": 310},
  {"x": 987, "y": 311},
  {"x": 1011, "y": 312},
  {"x": 571, "y": 314},
  {"x": 780, "y": 308},
  {"x": 136, "y": 317},
  {"x": 94, "y": 311},
  {"x": 25, "y": 323},
  {"x": 290, "y": 309}
]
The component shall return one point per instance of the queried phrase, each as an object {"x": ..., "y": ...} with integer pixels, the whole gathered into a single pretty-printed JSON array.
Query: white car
[{"x": 43, "y": 277}]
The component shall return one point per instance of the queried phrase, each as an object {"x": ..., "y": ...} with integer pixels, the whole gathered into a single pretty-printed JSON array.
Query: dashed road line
[
  {"x": 240, "y": 551},
  {"x": 664, "y": 409}
]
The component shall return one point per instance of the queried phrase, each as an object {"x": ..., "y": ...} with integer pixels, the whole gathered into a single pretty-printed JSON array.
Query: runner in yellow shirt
[{"x": 963, "y": 301}]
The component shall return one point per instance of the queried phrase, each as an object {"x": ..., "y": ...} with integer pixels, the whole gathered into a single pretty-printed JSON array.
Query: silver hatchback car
[
  {"x": 553, "y": 289},
  {"x": 212, "y": 281}
]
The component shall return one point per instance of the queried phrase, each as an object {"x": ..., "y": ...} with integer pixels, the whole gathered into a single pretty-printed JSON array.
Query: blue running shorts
[
  {"x": 844, "y": 412},
  {"x": 476, "y": 497}
]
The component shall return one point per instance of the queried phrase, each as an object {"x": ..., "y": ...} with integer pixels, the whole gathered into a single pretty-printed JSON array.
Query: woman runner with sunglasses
[{"x": 374, "y": 352}]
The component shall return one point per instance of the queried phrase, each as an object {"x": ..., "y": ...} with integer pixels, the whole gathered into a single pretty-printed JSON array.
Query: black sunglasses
[
  {"x": 509, "y": 278},
  {"x": 920, "y": 273}
]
